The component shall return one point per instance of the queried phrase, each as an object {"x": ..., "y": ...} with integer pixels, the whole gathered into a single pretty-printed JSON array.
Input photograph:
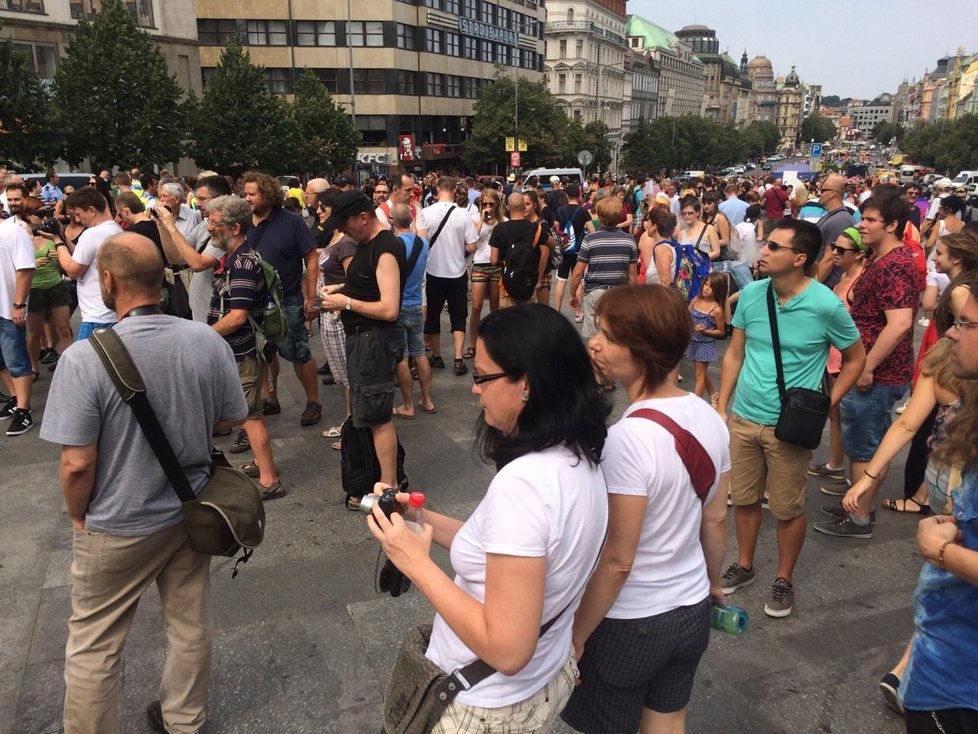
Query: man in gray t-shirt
[{"x": 128, "y": 530}]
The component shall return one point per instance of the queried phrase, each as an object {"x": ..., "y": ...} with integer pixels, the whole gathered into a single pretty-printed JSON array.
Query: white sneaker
[
  {"x": 900, "y": 408},
  {"x": 924, "y": 321}
]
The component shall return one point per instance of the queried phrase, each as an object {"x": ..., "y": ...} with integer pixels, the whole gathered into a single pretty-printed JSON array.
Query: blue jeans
[
  {"x": 87, "y": 327},
  {"x": 295, "y": 346},
  {"x": 866, "y": 416},
  {"x": 13, "y": 349},
  {"x": 739, "y": 272}
]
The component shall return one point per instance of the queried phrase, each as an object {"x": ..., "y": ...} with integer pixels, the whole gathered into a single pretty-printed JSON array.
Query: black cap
[
  {"x": 348, "y": 204},
  {"x": 343, "y": 180}
]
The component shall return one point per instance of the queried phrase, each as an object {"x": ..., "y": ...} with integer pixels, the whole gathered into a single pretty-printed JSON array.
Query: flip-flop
[
  {"x": 352, "y": 503},
  {"x": 337, "y": 445},
  {"x": 892, "y": 506},
  {"x": 469, "y": 353},
  {"x": 273, "y": 492},
  {"x": 398, "y": 413},
  {"x": 429, "y": 411},
  {"x": 333, "y": 432}
]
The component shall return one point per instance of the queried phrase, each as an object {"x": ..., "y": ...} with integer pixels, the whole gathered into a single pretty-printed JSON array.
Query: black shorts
[
  {"x": 567, "y": 266},
  {"x": 44, "y": 299},
  {"x": 631, "y": 664},
  {"x": 371, "y": 360},
  {"x": 439, "y": 290}
]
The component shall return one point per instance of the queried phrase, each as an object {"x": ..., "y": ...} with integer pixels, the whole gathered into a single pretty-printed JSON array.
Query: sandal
[
  {"x": 352, "y": 503},
  {"x": 333, "y": 432},
  {"x": 894, "y": 507},
  {"x": 469, "y": 353},
  {"x": 398, "y": 413},
  {"x": 251, "y": 470},
  {"x": 337, "y": 445},
  {"x": 273, "y": 492}
]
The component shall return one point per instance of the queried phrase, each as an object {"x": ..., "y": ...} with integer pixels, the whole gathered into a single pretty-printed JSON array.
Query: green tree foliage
[
  {"x": 238, "y": 124},
  {"x": 328, "y": 140},
  {"x": 117, "y": 101},
  {"x": 543, "y": 125},
  {"x": 948, "y": 145},
  {"x": 592, "y": 136},
  {"x": 28, "y": 131},
  {"x": 884, "y": 132},
  {"x": 817, "y": 128}
]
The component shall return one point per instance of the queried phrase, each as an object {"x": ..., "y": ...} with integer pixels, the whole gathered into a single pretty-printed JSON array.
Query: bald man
[
  {"x": 314, "y": 189},
  {"x": 519, "y": 229},
  {"x": 832, "y": 224},
  {"x": 127, "y": 521}
]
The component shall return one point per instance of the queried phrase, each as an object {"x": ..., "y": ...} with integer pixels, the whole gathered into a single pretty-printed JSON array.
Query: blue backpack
[{"x": 692, "y": 268}]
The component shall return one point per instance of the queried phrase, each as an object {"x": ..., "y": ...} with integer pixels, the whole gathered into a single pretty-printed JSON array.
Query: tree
[
  {"x": 592, "y": 136},
  {"x": 28, "y": 131},
  {"x": 922, "y": 142},
  {"x": 542, "y": 124},
  {"x": 328, "y": 140},
  {"x": 958, "y": 145},
  {"x": 817, "y": 128},
  {"x": 884, "y": 132},
  {"x": 118, "y": 102},
  {"x": 238, "y": 124},
  {"x": 760, "y": 138}
]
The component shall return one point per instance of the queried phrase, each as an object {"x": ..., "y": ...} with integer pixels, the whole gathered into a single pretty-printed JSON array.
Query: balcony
[{"x": 586, "y": 26}]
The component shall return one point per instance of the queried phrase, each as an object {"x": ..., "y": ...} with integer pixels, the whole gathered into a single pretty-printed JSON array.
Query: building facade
[
  {"x": 763, "y": 99},
  {"x": 682, "y": 76},
  {"x": 41, "y": 28},
  {"x": 789, "y": 109},
  {"x": 641, "y": 100},
  {"x": 867, "y": 115},
  {"x": 408, "y": 71},
  {"x": 727, "y": 90}
]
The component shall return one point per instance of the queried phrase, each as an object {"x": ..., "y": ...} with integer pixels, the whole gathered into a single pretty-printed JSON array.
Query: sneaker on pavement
[
  {"x": 436, "y": 363},
  {"x": 782, "y": 599},
  {"x": 844, "y": 528},
  {"x": 21, "y": 423},
  {"x": 270, "y": 408},
  {"x": 924, "y": 321},
  {"x": 839, "y": 512},
  {"x": 48, "y": 356},
  {"x": 836, "y": 489},
  {"x": 734, "y": 577},
  {"x": 240, "y": 443},
  {"x": 460, "y": 368},
  {"x": 8, "y": 409},
  {"x": 889, "y": 688},
  {"x": 312, "y": 414},
  {"x": 154, "y": 716},
  {"x": 824, "y": 470}
]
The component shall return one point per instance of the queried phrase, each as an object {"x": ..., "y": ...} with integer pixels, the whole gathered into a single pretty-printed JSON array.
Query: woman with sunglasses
[
  {"x": 485, "y": 276},
  {"x": 523, "y": 557},
  {"x": 695, "y": 231}
]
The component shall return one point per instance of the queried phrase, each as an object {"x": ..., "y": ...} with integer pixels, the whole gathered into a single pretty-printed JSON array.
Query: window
[
  {"x": 502, "y": 17},
  {"x": 279, "y": 80},
  {"x": 205, "y": 75},
  {"x": 24, "y": 6},
  {"x": 453, "y": 86},
  {"x": 504, "y": 54},
  {"x": 452, "y": 41},
  {"x": 267, "y": 33},
  {"x": 328, "y": 78},
  {"x": 366, "y": 33},
  {"x": 406, "y": 83},
  {"x": 488, "y": 13},
  {"x": 432, "y": 41},
  {"x": 43, "y": 57},
  {"x": 315, "y": 33},
  {"x": 470, "y": 47},
  {"x": 369, "y": 81},
  {"x": 488, "y": 52},
  {"x": 577, "y": 86},
  {"x": 405, "y": 36},
  {"x": 141, "y": 12},
  {"x": 561, "y": 84},
  {"x": 451, "y": 6},
  {"x": 570, "y": 15},
  {"x": 436, "y": 85},
  {"x": 562, "y": 53},
  {"x": 470, "y": 9},
  {"x": 580, "y": 49},
  {"x": 436, "y": 4},
  {"x": 373, "y": 128},
  {"x": 80, "y": 9}
]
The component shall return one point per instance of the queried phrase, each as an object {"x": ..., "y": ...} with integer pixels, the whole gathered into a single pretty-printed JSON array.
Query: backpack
[
  {"x": 631, "y": 199},
  {"x": 359, "y": 468},
  {"x": 569, "y": 243},
  {"x": 692, "y": 267},
  {"x": 911, "y": 240},
  {"x": 273, "y": 326},
  {"x": 522, "y": 268}
]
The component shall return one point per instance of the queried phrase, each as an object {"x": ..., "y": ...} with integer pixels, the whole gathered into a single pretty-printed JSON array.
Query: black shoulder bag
[
  {"x": 803, "y": 411},
  {"x": 227, "y": 513}
]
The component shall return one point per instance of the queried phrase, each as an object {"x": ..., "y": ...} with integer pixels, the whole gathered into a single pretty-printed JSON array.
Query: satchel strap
[
  {"x": 125, "y": 376},
  {"x": 699, "y": 465},
  {"x": 775, "y": 339}
]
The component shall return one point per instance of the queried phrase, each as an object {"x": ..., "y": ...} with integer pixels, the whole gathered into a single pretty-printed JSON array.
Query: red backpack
[{"x": 912, "y": 240}]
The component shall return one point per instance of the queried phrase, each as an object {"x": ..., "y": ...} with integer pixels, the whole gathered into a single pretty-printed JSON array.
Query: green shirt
[
  {"x": 807, "y": 325},
  {"x": 46, "y": 276}
]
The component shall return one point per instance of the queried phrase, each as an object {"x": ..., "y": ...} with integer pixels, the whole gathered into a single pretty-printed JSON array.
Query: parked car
[{"x": 76, "y": 179}]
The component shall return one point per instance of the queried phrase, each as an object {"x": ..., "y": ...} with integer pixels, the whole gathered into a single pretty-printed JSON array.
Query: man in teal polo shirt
[{"x": 810, "y": 318}]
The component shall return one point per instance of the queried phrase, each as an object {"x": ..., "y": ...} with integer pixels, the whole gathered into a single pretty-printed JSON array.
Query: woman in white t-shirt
[
  {"x": 645, "y": 617},
  {"x": 524, "y": 555}
]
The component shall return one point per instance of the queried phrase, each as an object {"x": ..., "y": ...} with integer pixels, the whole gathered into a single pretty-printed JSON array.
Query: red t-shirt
[
  {"x": 886, "y": 284},
  {"x": 775, "y": 201}
]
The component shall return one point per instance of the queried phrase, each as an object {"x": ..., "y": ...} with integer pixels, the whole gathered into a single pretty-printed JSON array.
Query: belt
[
  {"x": 179, "y": 268},
  {"x": 365, "y": 328}
]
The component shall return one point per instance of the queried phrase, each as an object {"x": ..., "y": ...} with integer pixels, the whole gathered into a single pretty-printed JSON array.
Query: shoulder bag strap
[
  {"x": 415, "y": 254},
  {"x": 775, "y": 339},
  {"x": 700, "y": 238},
  {"x": 536, "y": 237},
  {"x": 125, "y": 376},
  {"x": 431, "y": 242},
  {"x": 695, "y": 458}
]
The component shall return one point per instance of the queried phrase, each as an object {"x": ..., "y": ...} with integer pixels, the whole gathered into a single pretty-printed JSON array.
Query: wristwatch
[
  {"x": 60, "y": 244},
  {"x": 349, "y": 304},
  {"x": 19, "y": 305}
]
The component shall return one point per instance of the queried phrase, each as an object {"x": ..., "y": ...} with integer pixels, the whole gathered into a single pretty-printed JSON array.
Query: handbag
[
  {"x": 227, "y": 514},
  {"x": 803, "y": 411}
]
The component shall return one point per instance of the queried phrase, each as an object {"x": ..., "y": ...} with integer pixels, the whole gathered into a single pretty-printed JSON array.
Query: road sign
[
  {"x": 522, "y": 145},
  {"x": 816, "y": 150},
  {"x": 514, "y": 159},
  {"x": 585, "y": 158},
  {"x": 510, "y": 144}
]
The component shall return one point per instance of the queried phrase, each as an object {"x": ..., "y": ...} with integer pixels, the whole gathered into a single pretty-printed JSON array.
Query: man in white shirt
[
  {"x": 451, "y": 233},
  {"x": 16, "y": 272},
  {"x": 91, "y": 210}
]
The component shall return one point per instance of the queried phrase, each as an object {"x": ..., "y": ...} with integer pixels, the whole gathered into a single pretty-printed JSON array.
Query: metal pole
[
  {"x": 349, "y": 46},
  {"x": 516, "y": 82}
]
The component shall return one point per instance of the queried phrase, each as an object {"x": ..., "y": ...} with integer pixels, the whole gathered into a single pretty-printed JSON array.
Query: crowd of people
[{"x": 592, "y": 603}]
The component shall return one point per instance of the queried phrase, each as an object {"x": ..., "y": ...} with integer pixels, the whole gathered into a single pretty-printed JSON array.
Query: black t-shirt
[
  {"x": 148, "y": 228},
  {"x": 361, "y": 277},
  {"x": 506, "y": 234},
  {"x": 580, "y": 217}
]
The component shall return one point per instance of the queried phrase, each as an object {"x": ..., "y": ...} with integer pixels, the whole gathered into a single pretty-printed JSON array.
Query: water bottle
[
  {"x": 414, "y": 514},
  {"x": 729, "y": 618}
]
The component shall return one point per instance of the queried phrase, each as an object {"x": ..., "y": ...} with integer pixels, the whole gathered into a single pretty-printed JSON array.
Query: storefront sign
[
  {"x": 478, "y": 29},
  {"x": 373, "y": 159}
]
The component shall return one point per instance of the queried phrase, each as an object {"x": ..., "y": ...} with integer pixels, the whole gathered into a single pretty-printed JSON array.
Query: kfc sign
[
  {"x": 407, "y": 147},
  {"x": 373, "y": 159}
]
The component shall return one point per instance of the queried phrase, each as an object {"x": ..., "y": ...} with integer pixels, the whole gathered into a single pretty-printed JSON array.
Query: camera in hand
[
  {"x": 391, "y": 580},
  {"x": 49, "y": 223}
]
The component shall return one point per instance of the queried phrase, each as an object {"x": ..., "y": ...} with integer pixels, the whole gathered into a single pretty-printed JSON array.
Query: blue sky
[{"x": 856, "y": 49}]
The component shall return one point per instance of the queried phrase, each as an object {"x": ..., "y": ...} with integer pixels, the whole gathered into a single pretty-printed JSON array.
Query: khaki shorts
[
  {"x": 251, "y": 372},
  {"x": 760, "y": 463}
]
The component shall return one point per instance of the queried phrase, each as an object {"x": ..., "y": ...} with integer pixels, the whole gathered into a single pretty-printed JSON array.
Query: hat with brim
[{"x": 348, "y": 204}]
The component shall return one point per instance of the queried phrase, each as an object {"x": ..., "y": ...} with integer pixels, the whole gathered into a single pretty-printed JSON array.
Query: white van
[
  {"x": 908, "y": 174},
  {"x": 573, "y": 175},
  {"x": 968, "y": 179}
]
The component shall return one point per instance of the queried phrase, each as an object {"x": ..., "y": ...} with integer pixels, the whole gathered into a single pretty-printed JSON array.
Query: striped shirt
[
  {"x": 608, "y": 254},
  {"x": 240, "y": 283}
]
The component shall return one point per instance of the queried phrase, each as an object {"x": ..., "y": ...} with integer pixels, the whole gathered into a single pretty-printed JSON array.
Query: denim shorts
[
  {"x": 87, "y": 327},
  {"x": 412, "y": 322},
  {"x": 866, "y": 416},
  {"x": 13, "y": 349},
  {"x": 295, "y": 346}
]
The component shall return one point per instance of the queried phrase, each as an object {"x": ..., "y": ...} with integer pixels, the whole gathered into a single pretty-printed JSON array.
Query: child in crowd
[{"x": 707, "y": 312}]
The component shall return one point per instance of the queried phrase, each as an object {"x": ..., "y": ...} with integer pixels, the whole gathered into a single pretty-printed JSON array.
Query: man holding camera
[{"x": 16, "y": 271}]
